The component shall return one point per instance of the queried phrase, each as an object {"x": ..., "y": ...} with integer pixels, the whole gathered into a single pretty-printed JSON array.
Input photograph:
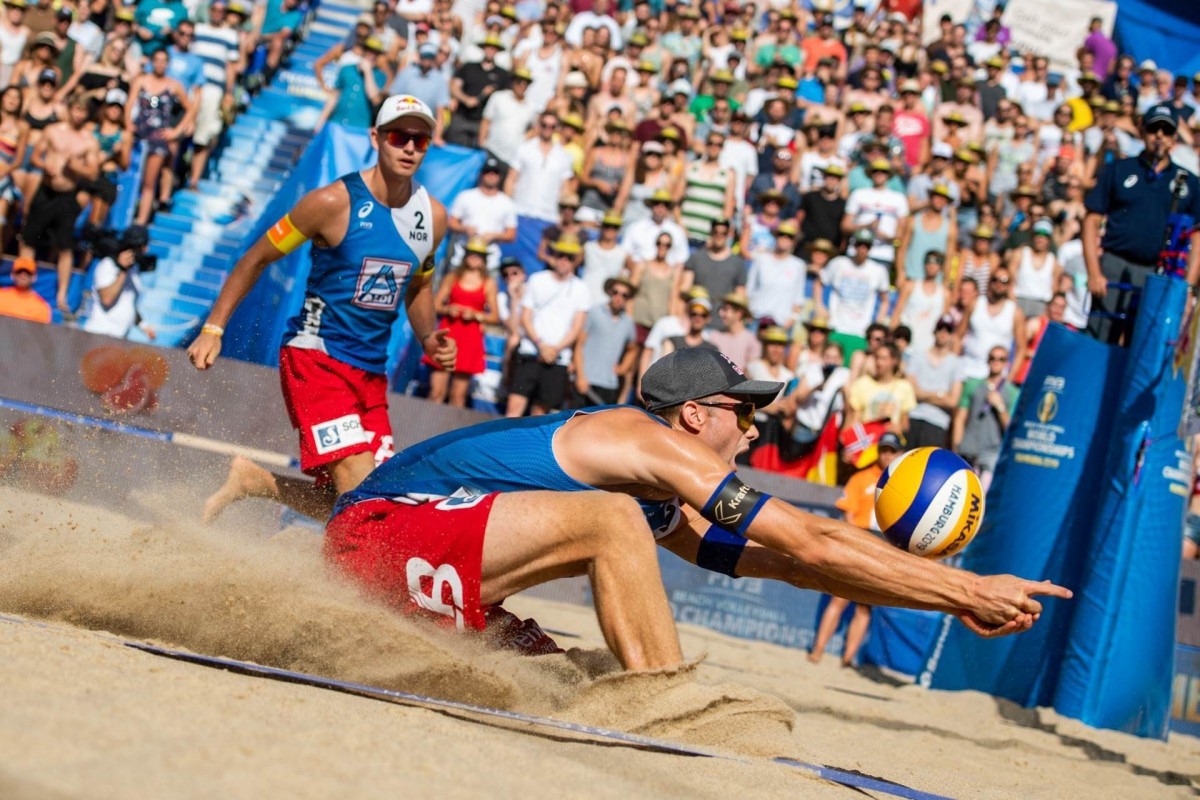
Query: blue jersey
[
  {"x": 355, "y": 289},
  {"x": 506, "y": 455}
]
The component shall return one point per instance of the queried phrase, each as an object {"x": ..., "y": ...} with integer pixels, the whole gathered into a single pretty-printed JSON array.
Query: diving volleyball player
[
  {"x": 461, "y": 521},
  {"x": 374, "y": 234}
]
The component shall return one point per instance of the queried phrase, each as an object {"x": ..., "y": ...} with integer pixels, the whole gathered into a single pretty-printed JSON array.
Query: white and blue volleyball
[{"x": 929, "y": 502}]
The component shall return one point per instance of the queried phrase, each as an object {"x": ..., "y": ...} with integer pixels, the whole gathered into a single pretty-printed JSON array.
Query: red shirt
[{"x": 912, "y": 129}]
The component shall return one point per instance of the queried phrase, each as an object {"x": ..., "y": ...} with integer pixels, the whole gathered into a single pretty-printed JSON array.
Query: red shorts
[
  {"x": 423, "y": 558},
  {"x": 338, "y": 410}
]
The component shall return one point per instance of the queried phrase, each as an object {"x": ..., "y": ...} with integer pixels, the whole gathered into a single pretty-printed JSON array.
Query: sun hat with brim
[
  {"x": 569, "y": 200},
  {"x": 573, "y": 121},
  {"x": 823, "y": 246},
  {"x": 721, "y": 76},
  {"x": 786, "y": 229},
  {"x": 772, "y": 194},
  {"x": 25, "y": 265},
  {"x": 942, "y": 190},
  {"x": 740, "y": 35},
  {"x": 404, "y": 106},
  {"x": 858, "y": 108},
  {"x": 611, "y": 219},
  {"x": 522, "y": 74},
  {"x": 964, "y": 155},
  {"x": 737, "y": 301},
  {"x": 879, "y": 165},
  {"x": 983, "y": 232},
  {"x": 939, "y": 67},
  {"x": 910, "y": 87},
  {"x": 834, "y": 170},
  {"x": 818, "y": 324},
  {"x": 646, "y": 66},
  {"x": 638, "y": 39},
  {"x": 995, "y": 62},
  {"x": 477, "y": 246},
  {"x": 954, "y": 118},
  {"x": 660, "y": 196},
  {"x": 1025, "y": 190},
  {"x": 46, "y": 40},
  {"x": 568, "y": 247},
  {"x": 652, "y": 147},
  {"x": 619, "y": 125},
  {"x": 786, "y": 83},
  {"x": 669, "y": 133},
  {"x": 620, "y": 280},
  {"x": 688, "y": 295},
  {"x": 373, "y": 44},
  {"x": 773, "y": 334},
  {"x": 697, "y": 372},
  {"x": 702, "y": 303},
  {"x": 492, "y": 41}
]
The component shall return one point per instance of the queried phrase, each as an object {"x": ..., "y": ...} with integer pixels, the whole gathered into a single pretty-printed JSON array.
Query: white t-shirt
[
  {"x": 812, "y": 164},
  {"x": 640, "y": 237},
  {"x": 887, "y": 206},
  {"x": 826, "y": 393},
  {"x": 486, "y": 213},
  {"x": 554, "y": 303},
  {"x": 741, "y": 157},
  {"x": 775, "y": 286},
  {"x": 121, "y": 316},
  {"x": 541, "y": 178},
  {"x": 508, "y": 120},
  {"x": 854, "y": 292}
]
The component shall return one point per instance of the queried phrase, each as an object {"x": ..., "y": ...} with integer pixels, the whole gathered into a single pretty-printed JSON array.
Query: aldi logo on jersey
[{"x": 379, "y": 284}]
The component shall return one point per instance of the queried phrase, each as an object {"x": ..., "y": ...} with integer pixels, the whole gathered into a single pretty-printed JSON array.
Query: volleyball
[{"x": 929, "y": 502}]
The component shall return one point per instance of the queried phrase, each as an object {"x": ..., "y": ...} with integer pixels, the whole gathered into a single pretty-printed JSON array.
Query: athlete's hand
[
  {"x": 1004, "y": 604},
  {"x": 204, "y": 350},
  {"x": 441, "y": 347}
]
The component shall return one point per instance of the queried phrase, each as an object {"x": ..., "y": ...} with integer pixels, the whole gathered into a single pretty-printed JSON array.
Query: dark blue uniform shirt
[{"x": 1137, "y": 201}]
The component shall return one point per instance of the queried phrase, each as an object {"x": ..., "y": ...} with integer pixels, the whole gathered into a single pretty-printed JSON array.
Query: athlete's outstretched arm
[
  {"x": 320, "y": 215},
  {"x": 680, "y": 463}
]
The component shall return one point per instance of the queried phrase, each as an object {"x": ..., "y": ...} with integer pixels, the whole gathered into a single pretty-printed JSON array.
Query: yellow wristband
[
  {"x": 215, "y": 330},
  {"x": 284, "y": 236}
]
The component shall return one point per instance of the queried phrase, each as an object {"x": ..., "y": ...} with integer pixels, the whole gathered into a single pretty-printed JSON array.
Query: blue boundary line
[{"x": 843, "y": 777}]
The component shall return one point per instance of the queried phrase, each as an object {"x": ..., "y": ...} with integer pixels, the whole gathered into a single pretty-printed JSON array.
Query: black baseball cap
[
  {"x": 492, "y": 164},
  {"x": 1160, "y": 113},
  {"x": 890, "y": 441},
  {"x": 701, "y": 372}
]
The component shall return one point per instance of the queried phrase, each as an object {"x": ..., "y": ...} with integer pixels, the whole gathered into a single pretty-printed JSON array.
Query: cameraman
[{"x": 116, "y": 284}]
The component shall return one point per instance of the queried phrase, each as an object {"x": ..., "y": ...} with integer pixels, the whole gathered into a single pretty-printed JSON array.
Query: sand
[{"x": 86, "y": 717}]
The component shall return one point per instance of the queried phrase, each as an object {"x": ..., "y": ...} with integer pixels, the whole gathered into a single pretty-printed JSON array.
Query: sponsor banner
[
  {"x": 1059, "y": 34},
  {"x": 1187, "y": 355},
  {"x": 1037, "y": 522}
]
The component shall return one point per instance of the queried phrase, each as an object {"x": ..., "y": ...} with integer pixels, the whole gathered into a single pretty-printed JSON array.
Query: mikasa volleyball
[{"x": 929, "y": 502}]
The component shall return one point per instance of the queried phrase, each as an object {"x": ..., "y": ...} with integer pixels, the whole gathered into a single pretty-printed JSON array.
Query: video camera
[{"x": 109, "y": 244}]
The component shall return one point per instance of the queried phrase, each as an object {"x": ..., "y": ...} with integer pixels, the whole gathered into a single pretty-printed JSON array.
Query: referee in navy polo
[{"x": 1135, "y": 196}]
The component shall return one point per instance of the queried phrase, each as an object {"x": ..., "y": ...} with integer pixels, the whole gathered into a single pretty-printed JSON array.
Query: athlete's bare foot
[
  {"x": 814, "y": 658},
  {"x": 245, "y": 479}
]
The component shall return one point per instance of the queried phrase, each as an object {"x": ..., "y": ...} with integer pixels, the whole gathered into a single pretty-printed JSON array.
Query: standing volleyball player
[{"x": 374, "y": 234}]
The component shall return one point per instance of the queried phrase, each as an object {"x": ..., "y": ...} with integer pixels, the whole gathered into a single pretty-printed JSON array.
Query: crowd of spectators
[
  {"x": 887, "y": 226},
  {"x": 85, "y": 83}
]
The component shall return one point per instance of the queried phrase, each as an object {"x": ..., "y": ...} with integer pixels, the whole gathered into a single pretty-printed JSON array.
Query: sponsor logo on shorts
[{"x": 338, "y": 433}]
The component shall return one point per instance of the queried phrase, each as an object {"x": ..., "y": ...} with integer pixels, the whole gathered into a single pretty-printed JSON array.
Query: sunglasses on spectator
[
  {"x": 743, "y": 410},
  {"x": 1000, "y": 359},
  {"x": 1001, "y": 281},
  {"x": 620, "y": 293},
  {"x": 662, "y": 244},
  {"x": 400, "y": 139},
  {"x": 1161, "y": 127}
]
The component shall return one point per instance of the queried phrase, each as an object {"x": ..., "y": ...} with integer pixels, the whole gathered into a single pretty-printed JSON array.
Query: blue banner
[
  {"x": 1167, "y": 31},
  {"x": 1117, "y": 666},
  {"x": 256, "y": 328},
  {"x": 1038, "y": 517}
]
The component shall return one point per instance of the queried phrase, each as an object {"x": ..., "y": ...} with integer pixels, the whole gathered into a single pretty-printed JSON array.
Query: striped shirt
[
  {"x": 703, "y": 200},
  {"x": 216, "y": 47}
]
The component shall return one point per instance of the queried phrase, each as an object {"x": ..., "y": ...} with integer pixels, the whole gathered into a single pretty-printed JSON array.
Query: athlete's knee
[{"x": 622, "y": 525}]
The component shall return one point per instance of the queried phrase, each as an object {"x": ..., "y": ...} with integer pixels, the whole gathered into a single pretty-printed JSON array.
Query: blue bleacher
[{"x": 200, "y": 238}]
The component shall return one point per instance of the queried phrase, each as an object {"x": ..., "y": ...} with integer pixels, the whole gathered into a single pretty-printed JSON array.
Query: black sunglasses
[{"x": 744, "y": 411}]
